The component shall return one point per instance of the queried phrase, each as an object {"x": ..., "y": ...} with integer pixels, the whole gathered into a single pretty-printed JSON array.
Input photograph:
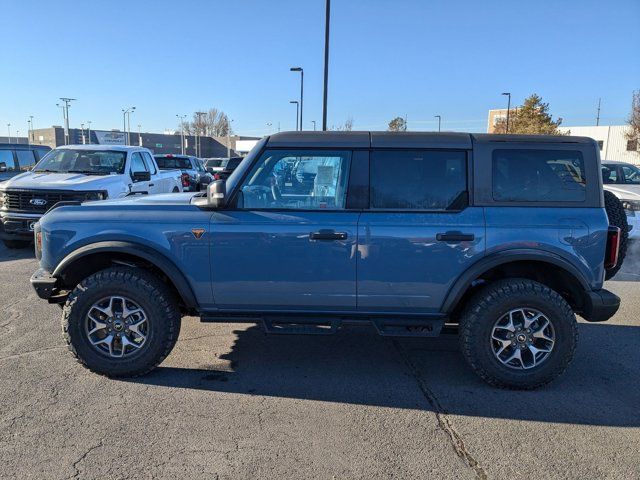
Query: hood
[
  {"x": 624, "y": 192},
  {"x": 140, "y": 200},
  {"x": 60, "y": 181}
]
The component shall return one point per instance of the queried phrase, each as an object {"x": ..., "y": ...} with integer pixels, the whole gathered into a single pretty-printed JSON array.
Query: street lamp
[
  {"x": 65, "y": 113},
  {"x": 508, "y": 94},
  {"x": 199, "y": 133},
  {"x": 299, "y": 69},
  {"x": 181, "y": 118},
  {"x": 9, "y": 130},
  {"x": 30, "y": 122},
  {"x": 89, "y": 131},
  {"x": 126, "y": 122},
  {"x": 439, "y": 120},
  {"x": 17, "y": 136},
  {"x": 297, "y": 110},
  {"x": 82, "y": 132},
  {"x": 139, "y": 136},
  {"x": 327, "y": 17},
  {"x": 314, "y": 125}
]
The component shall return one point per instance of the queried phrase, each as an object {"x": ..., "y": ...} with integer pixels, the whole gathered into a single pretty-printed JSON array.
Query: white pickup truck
[{"x": 78, "y": 173}]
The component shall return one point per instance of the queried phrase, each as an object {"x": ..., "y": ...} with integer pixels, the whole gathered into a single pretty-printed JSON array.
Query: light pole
[
  {"x": 301, "y": 70},
  {"x": 17, "y": 136},
  {"x": 65, "y": 112},
  {"x": 199, "y": 133},
  {"x": 9, "y": 130},
  {"x": 269, "y": 125},
  {"x": 82, "y": 132},
  {"x": 139, "y": 136},
  {"x": 297, "y": 110},
  {"x": 126, "y": 122},
  {"x": 181, "y": 118},
  {"x": 229, "y": 138},
  {"x": 326, "y": 62},
  {"x": 314, "y": 125},
  {"x": 89, "y": 131},
  {"x": 508, "y": 94},
  {"x": 30, "y": 122},
  {"x": 439, "y": 120}
]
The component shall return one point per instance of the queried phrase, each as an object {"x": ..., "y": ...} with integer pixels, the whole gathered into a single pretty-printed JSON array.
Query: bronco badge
[{"x": 197, "y": 232}]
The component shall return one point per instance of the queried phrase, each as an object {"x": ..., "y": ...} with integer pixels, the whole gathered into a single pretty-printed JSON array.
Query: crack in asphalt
[
  {"x": 83, "y": 456},
  {"x": 38, "y": 350},
  {"x": 444, "y": 423}
]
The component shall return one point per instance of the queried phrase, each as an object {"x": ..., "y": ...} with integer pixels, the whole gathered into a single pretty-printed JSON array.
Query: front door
[
  {"x": 290, "y": 243},
  {"x": 139, "y": 165},
  {"x": 419, "y": 234}
]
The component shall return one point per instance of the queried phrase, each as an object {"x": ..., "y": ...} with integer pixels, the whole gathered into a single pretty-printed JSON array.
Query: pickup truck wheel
[
  {"x": 518, "y": 334},
  {"x": 617, "y": 218},
  {"x": 16, "y": 243},
  {"x": 121, "y": 322}
]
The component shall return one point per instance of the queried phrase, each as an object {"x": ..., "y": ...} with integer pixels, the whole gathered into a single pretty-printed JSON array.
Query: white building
[{"x": 614, "y": 145}]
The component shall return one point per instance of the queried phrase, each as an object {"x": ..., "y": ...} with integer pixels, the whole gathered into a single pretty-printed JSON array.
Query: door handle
[
  {"x": 151, "y": 184},
  {"x": 455, "y": 237},
  {"x": 328, "y": 235}
]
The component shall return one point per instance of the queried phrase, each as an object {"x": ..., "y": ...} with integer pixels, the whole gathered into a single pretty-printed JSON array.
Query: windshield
[
  {"x": 215, "y": 163},
  {"x": 621, "y": 174},
  {"x": 173, "y": 162},
  {"x": 91, "y": 162}
]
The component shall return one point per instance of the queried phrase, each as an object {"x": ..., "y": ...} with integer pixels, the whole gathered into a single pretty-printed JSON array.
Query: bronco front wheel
[{"x": 121, "y": 322}]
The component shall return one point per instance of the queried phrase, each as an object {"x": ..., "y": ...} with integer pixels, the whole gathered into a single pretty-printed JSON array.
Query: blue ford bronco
[{"x": 502, "y": 239}]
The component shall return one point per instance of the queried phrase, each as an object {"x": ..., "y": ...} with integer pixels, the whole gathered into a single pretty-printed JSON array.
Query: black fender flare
[
  {"x": 493, "y": 260},
  {"x": 149, "y": 254}
]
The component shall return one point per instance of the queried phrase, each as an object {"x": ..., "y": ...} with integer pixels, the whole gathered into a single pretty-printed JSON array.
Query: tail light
[
  {"x": 185, "y": 179},
  {"x": 613, "y": 247}
]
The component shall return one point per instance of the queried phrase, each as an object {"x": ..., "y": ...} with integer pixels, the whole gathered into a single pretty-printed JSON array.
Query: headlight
[
  {"x": 631, "y": 205},
  {"x": 96, "y": 196}
]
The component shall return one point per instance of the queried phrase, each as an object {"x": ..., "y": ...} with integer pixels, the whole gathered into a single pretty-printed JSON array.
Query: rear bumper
[
  {"x": 43, "y": 283},
  {"x": 600, "y": 305}
]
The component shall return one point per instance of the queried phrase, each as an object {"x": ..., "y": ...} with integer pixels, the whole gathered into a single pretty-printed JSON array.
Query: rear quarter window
[{"x": 529, "y": 175}]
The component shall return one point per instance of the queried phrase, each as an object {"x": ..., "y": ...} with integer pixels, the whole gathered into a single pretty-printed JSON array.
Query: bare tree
[
  {"x": 346, "y": 127},
  {"x": 634, "y": 118},
  {"x": 214, "y": 123},
  {"x": 398, "y": 124}
]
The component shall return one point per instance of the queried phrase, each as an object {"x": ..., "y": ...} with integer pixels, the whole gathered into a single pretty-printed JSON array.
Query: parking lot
[{"x": 231, "y": 402}]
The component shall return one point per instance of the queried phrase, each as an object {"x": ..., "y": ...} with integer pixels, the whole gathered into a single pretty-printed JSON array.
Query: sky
[{"x": 388, "y": 58}]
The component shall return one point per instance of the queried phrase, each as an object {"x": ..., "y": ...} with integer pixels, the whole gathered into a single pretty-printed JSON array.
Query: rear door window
[
  {"x": 6, "y": 158},
  {"x": 26, "y": 159},
  {"x": 529, "y": 175},
  {"x": 418, "y": 180}
]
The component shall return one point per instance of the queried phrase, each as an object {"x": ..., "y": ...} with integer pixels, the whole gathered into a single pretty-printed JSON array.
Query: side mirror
[
  {"x": 3, "y": 167},
  {"x": 141, "y": 176},
  {"x": 217, "y": 194}
]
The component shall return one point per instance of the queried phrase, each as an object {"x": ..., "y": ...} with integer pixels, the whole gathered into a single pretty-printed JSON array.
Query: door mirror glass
[
  {"x": 217, "y": 194},
  {"x": 141, "y": 176}
]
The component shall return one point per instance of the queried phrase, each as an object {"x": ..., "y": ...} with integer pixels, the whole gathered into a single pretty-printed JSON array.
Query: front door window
[{"x": 301, "y": 180}]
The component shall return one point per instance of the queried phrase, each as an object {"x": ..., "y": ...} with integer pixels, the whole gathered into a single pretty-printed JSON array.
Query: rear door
[
  {"x": 420, "y": 232},
  {"x": 159, "y": 183}
]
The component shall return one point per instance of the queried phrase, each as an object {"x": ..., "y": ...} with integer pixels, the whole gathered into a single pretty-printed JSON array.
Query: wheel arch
[
  {"x": 94, "y": 257},
  {"x": 547, "y": 268}
]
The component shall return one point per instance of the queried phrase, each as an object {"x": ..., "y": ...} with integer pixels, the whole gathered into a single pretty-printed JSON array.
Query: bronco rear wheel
[
  {"x": 121, "y": 322},
  {"x": 518, "y": 334}
]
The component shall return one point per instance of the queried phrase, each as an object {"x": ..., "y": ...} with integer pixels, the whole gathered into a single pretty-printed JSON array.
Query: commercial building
[
  {"x": 496, "y": 115},
  {"x": 161, "y": 143},
  {"x": 612, "y": 139}
]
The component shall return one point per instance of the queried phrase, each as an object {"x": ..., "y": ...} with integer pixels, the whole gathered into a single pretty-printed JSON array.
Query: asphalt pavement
[{"x": 231, "y": 402}]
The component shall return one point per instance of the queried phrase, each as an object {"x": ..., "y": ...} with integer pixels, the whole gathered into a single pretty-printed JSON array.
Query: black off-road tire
[
  {"x": 491, "y": 303},
  {"x": 617, "y": 218},
  {"x": 15, "y": 244},
  {"x": 146, "y": 290}
]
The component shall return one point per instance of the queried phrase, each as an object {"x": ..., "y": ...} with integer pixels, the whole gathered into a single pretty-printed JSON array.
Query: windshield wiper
[
  {"x": 45, "y": 170},
  {"x": 86, "y": 172}
]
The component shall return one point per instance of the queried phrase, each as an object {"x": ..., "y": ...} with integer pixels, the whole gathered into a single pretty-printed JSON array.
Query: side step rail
[
  {"x": 301, "y": 325},
  {"x": 408, "y": 327}
]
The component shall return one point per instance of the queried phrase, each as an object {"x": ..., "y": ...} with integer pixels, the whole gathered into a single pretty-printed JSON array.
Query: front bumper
[
  {"x": 17, "y": 226},
  {"x": 44, "y": 283},
  {"x": 600, "y": 305}
]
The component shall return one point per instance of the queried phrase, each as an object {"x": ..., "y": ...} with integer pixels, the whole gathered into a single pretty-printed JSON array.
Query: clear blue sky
[{"x": 388, "y": 58}]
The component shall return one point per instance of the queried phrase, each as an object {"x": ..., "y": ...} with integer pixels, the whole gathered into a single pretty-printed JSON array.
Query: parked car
[
  {"x": 227, "y": 168},
  {"x": 194, "y": 177},
  {"x": 214, "y": 165},
  {"x": 77, "y": 173},
  {"x": 623, "y": 180},
  {"x": 16, "y": 158},
  {"x": 482, "y": 234}
]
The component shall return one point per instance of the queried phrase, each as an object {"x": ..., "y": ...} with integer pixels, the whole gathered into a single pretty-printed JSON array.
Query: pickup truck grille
[{"x": 31, "y": 200}]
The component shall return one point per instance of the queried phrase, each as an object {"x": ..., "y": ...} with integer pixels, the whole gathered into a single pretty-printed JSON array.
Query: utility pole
[
  {"x": 181, "y": 118},
  {"x": 598, "y": 115},
  {"x": 508, "y": 94},
  {"x": 326, "y": 62},
  {"x": 65, "y": 110},
  {"x": 439, "y": 120},
  {"x": 199, "y": 114}
]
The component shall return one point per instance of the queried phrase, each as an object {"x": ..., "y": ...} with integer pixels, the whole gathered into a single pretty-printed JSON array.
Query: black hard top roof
[{"x": 332, "y": 139}]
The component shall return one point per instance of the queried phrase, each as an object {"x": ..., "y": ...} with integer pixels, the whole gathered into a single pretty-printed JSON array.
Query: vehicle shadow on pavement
[
  {"x": 7, "y": 254},
  {"x": 357, "y": 367}
]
